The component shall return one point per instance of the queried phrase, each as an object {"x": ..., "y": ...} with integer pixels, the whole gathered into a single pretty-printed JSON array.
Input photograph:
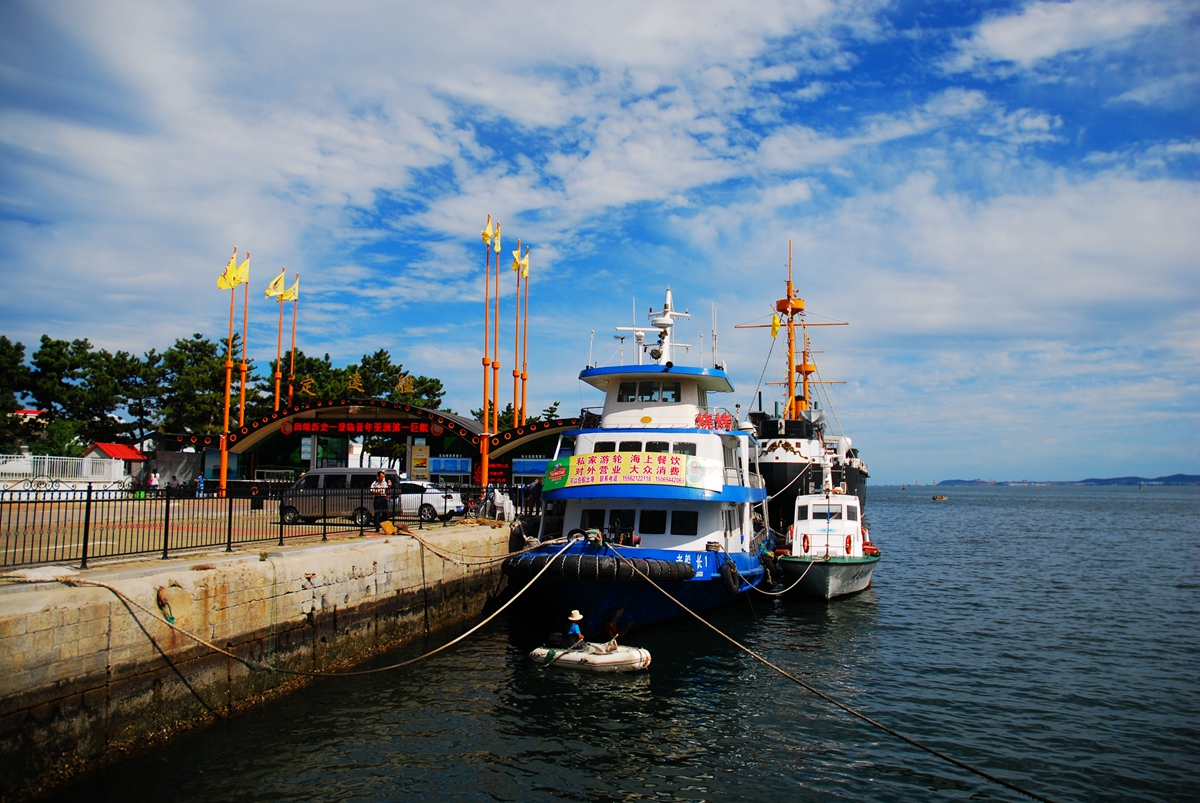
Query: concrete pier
[{"x": 84, "y": 679}]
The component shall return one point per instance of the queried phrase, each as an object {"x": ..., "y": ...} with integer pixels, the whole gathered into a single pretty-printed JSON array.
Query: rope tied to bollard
[{"x": 256, "y": 666}]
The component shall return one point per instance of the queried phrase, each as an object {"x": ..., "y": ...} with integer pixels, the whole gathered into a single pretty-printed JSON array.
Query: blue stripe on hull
[{"x": 611, "y": 607}]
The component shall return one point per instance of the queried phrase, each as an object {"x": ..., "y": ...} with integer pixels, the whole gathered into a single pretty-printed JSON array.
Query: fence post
[
  {"x": 324, "y": 513},
  {"x": 166, "y": 519},
  {"x": 361, "y": 523},
  {"x": 281, "y": 523},
  {"x": 229, "y": 525},
  {"x": 87, "y": 526}
]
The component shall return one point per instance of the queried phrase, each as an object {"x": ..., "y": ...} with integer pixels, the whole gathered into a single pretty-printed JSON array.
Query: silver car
[{"x": 334, "y": 493}]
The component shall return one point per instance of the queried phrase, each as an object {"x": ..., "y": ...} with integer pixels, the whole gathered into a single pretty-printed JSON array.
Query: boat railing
[
  {"x": 756, "y": 481},
  {"x": 732, "y": 476}
]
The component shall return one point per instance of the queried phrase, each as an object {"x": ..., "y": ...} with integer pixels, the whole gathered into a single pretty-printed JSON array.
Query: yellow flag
[
  {"x": 225, "y": 280},
  {"x": 276, "y": 287},
  {"x": 497, "y": 238},
  {"x": 775, "y": 324},
  {"x": 487, "y": 233},
  {"x": 525, "y": 265},
  {"x": 292, "y": 293},
  {"x": 243, "y": 272},
  {"x": 516, "y": 259}
]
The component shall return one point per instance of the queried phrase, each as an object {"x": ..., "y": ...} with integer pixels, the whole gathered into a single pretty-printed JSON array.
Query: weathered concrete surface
[{"x": 83, "y": 681}]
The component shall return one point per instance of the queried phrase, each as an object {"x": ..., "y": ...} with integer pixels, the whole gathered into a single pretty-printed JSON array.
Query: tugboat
[
  {"x": 802, "y": 462},
  {"x": 661, "y": 480}
]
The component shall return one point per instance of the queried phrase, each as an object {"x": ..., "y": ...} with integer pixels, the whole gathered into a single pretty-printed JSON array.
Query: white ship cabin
[{"x": 827, "y": 526}]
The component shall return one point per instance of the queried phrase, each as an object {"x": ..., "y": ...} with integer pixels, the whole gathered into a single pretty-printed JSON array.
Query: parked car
[{"x": 332, "y": 493}]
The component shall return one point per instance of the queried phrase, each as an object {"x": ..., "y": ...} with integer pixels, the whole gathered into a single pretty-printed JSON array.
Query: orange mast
[
  {"x": 279, "y": 345},
  {"x": 496, "y": 345},
  {"x": 525, "y": 346},
  {"x": 292, "y": 370},
  {"x": 242, "y": 367},
  {"x": 487, "y": 356},
  {"x": 228, "y": 383},
  {"x": 517, "y": 339}
]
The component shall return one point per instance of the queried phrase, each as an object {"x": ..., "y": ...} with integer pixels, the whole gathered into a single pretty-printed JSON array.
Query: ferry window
[
  {"x": 310, "y": 481},
  {"x": 685, "y": 448},
  {"x": 621, "y": 520},
  {"x": 627, "y": 392},
  {"x": 647, "y": 391},
  {"x": 631, "y": 446},
  {"x": 852, "y": 513},
  {"x": 605, "y": 446},
  {"x": 335, "y": 480},
  {"x": 671, "y": 392},
  {"x": 821, "y": 512},
  {"x": 591, "y": 518},
  {"x": 802, "y": 513},
  {"x": 658, "y": 446},
  {"x": 685, "y": 522},
  {"x": 654, "y": 522}
]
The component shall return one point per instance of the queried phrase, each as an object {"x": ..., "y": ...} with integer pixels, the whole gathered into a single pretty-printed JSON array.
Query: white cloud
[{"x": 1044, "y": 30}]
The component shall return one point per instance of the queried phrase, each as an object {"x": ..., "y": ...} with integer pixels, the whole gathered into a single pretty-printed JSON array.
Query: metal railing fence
[{"x": 75, "y": 527}]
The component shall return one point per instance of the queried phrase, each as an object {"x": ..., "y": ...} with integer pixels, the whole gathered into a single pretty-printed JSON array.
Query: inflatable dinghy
[{"x": 607, "y": 657}]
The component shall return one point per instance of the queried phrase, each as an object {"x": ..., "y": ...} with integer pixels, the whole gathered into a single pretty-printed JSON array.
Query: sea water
[{"x": 1047, "y": 635}]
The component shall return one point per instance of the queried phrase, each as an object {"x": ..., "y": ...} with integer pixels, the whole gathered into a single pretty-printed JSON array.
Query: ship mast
[{"x": 789, "y": 308}]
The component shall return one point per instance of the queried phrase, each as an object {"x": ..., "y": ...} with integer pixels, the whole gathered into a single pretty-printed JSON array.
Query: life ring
[
  {"x": 804, "y": 543},
  {"x": 849, "y": 543}
]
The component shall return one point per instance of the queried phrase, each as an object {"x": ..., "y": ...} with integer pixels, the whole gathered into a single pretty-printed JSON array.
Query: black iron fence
[{"x": 76, "y": 526}]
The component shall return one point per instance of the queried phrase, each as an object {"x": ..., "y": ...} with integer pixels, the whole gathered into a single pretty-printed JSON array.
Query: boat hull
[
  {"x": 613, "y": 607},
  {"x": 827, "y": 577}
]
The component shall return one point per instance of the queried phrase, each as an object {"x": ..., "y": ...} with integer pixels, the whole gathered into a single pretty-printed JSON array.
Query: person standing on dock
[
  {"x": 379, "y": 494},
  {"x": 574, "y": 634}
]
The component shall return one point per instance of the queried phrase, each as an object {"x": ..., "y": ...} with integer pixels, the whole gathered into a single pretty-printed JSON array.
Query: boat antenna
[
  {"x": 591, "y": 342},
  {"x": 622, "y": 339},
  {"x": 716, "y": 362}
]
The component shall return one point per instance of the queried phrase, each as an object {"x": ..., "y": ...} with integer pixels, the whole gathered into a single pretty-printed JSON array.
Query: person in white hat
[{"x": 574, "y": 634}]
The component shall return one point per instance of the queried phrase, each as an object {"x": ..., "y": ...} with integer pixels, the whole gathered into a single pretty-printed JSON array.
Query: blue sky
[{"x": 1003, "y": 199}]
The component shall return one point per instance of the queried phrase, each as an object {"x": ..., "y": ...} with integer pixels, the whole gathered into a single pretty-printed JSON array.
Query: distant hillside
[{"x": 1174, "y": 479}]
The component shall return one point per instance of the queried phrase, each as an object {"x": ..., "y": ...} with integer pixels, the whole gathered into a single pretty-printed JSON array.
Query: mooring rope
[
  {"x": 789, "y": 588},
  {"x": 826, "y": 697},
  {"x": 481, "y": 560},
  {"x": 256, "y": 666}
]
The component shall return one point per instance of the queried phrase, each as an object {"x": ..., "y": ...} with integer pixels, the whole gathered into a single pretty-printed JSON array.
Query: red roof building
[{"x": 115, "y": 451}]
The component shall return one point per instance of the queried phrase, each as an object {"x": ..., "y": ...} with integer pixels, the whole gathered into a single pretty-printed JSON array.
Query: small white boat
[{"x": 607, "y": 657}]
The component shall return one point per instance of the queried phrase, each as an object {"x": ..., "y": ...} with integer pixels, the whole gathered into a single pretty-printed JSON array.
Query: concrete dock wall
[{"x": 83, "y": 682}]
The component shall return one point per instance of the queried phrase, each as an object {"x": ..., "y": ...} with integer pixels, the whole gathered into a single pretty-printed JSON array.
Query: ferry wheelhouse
[{"x": 661, "y": 478}]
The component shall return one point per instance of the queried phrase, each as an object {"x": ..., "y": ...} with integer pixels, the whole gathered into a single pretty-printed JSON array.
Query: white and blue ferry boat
[{"x": 663, "y": 477}]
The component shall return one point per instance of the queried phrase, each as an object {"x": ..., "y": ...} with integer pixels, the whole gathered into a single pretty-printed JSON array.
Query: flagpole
[
  {"x": 496, "y": 343},
  {"x": 279, "y": 343},
  {"x": 292, "y": 370},
  {"x": 487, "y": 355},
  {"x": 525, "y": 346},
  {"x": 242, "y": 367},
  {"x": 228, "y": 381},
  {"x": 517, "y": 341}
]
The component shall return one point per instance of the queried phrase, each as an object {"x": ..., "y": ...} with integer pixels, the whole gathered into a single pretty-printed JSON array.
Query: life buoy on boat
[
  {"x": 804, "y": 543},
  {"x": 849, "y": 543}
]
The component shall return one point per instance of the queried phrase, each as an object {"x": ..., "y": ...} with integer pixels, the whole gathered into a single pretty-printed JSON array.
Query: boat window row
[
  {"x": 824, "y": 512},
  {"x": 650, "y": 522},
  {"x": 667, "y": 392},
  {"x": 682, "y": 447}
]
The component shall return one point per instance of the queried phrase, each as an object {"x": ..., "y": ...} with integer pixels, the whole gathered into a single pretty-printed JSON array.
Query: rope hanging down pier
[{"x": 827, "y": 698}]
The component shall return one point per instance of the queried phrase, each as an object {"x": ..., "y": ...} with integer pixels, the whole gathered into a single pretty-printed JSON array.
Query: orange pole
[
  {"x": 496, "y": 343},
  {"x": 242, "y": 367},
  {"x": 228, "y": 384},
  {"x": 279, "y": 346},
  {"x": 525, "y": 347},
  {"x": 517, "y": 344},
  {"x": 292, "y": 370},
  {"x": 487, "y": 355},
  {"x": 791, "y": 405}
]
